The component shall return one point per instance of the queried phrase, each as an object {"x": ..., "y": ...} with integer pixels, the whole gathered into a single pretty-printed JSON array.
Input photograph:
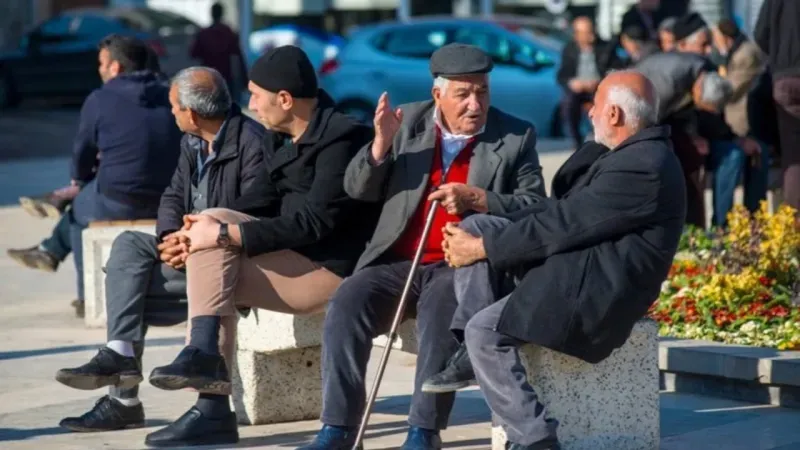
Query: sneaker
[
  {"x": 107, "y": 368},
  {"x": 34, "y": 258},
  {"x": 107, "y": 415}
]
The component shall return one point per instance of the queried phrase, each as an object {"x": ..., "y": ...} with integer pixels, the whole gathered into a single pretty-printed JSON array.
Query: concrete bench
[
  {"x": 97, "y": 240},
  {"x": 610, "y": 405},
  {"x": 278, "y": 376}
]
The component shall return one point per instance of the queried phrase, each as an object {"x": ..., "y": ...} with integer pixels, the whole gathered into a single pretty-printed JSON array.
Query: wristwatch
[{"x": 223, "y": 239}]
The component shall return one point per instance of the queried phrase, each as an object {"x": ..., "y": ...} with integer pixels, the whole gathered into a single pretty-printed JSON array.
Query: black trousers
[{"x": 361, "y": 310}]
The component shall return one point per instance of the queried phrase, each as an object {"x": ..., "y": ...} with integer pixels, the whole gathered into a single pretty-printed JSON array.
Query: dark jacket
[
  {"x": 777, "y": 33},
  {"x": 234, "y": 170},
  {"x": 300, "y": 198},
  {"x": 595, "y": 255},
  {"x": 128, "y": 122},
  {"x": 604, "y": 56},
  {"x": 633, "y": 17}
]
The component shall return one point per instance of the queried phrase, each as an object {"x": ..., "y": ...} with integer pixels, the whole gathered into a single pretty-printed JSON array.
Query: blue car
[
  {"x": 58, "y": 58},
  {"x": 394, "y": 56}
]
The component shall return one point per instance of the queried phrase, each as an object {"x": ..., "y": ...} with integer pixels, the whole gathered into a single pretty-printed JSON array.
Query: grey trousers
[
  {"x": 494, "y": 355},
  {"x": 361, "y": 310},
  {"x": 140, "y": 291}
]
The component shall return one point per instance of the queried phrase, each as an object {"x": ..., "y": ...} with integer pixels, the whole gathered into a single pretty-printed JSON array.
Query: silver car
[{"x": 394, "y": 56}]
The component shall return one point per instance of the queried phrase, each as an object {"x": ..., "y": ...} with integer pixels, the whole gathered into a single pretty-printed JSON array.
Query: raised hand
[{"x": 387, "y": 123}]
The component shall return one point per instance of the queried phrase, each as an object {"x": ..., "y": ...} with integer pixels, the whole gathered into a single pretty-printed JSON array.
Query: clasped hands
[
  {"x": 460, "y": 247},
  {"x": 199, "y": 232}
]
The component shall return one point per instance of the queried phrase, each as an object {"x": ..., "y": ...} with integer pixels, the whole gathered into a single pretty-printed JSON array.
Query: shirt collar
[{"x": 447, "y": 135}]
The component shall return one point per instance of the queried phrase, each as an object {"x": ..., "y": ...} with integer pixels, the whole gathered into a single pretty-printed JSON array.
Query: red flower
[
  {"x": 765, "y": 281},
  {"x": 777, "y": 311},
  {"x": 764, "y": 296}
]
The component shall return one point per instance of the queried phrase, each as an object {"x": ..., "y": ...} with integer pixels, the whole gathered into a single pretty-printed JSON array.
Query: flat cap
[
  {"x": 688, "y": 25},
  {"x": 459, "y": 59}
]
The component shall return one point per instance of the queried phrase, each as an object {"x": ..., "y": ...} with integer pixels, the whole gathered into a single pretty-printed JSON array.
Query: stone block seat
[
  {"x": 613, "y": 405},
  {"x": 610, "y": 405},
  {"x": 97, "y": 240}
]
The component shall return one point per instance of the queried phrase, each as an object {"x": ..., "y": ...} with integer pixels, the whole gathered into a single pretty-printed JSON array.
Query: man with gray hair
[
  {"x": 616, "y": 215},
  {"x": 221, "y": 155}
]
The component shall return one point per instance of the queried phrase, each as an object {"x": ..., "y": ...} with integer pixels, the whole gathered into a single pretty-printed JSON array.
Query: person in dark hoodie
[
  {"x": 297, "y": 221},
  {"x": 125, "y": 152},
  {"x": 222, "y": 153},
  {"x": 127, "y": 144}
]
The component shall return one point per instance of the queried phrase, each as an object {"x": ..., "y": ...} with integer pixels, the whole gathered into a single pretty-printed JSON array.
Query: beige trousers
[{"x": 220, "y": 280}]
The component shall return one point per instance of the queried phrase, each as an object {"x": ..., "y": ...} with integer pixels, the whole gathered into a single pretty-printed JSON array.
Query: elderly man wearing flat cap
[
  {"x": 285, "y": 245},
  {"x": 456, "y": 149}
]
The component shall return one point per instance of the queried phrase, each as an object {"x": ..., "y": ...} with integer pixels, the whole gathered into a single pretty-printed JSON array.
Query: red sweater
[{"x": 406, "y": 245}]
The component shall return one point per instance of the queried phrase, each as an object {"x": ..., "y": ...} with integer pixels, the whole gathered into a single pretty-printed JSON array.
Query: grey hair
[
  {"x": 639, "y": 112},
  {"x": 207, "y": 100},
  {"x": 715, "y": 90},
  {"x": 441, "y": 83}
]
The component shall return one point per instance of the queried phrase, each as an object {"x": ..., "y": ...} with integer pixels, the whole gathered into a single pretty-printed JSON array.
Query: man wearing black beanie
[{"x": 298, "y": 220}]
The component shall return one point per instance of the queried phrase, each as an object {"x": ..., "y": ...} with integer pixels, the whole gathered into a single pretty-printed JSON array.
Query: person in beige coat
[{"x": 744, "y": 63}]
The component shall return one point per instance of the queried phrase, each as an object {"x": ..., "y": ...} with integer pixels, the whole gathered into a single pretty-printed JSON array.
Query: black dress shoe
[
  {"x": 107, "y": 415},
  {"x": 107, "y": 368},
  {"x": 193, "y": 428},
  {"x": 457, "y": 375},
  {"x": 196, "y": 369},
  {"x": 550, "y": 444}
]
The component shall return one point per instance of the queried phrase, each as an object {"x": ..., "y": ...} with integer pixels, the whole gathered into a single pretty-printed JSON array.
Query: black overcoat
[{"x": 594, "y": 255}]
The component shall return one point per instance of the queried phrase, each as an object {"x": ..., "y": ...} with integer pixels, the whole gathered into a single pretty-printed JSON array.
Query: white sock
[
  {"x": 123, "y": 348},
  {"x": 127, "y": 401}
]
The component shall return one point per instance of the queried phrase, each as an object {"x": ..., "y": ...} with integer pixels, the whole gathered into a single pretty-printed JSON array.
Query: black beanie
[
  {"x": 285, "y": 68},
  {"x": 688, "y": 25}
]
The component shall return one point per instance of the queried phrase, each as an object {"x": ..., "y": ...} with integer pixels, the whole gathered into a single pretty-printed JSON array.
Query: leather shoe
[
  {"x": 107, "y": 415},
  {"x": 422, "y": 439},
  {"x": 333, "y": 438},
  {"x": 195, "y": 369},
  {"x": 549, "y": 444},
  {"x": 193, "y": 428},
  {"x": 457, "y": 375}
]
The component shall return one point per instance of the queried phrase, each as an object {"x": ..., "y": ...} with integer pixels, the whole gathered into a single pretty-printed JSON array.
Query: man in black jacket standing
[
  {"x": 584, "y": 61},
  {"x": 221, "y": 155},
  {"x": 591, "y": 261},
  {"x": 300, "y": 237}
]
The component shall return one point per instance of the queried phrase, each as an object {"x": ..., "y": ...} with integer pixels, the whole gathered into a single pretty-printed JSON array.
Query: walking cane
[{"x": 398, "y": 317}]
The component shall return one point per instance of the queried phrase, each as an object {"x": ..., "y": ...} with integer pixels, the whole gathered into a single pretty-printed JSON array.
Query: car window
[
  {"x": 97, "y": 26},
  {"x": 413, "y": 42},
  {"x": 497, "y": 46},
  {"x": 59, "y": 25}
]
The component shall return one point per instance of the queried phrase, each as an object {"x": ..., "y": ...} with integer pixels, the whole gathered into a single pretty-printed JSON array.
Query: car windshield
[{"x": 550, "y": 38}]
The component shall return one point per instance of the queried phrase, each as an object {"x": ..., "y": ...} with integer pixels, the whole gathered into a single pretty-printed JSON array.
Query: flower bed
[{"x": 739, "y": 286}]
